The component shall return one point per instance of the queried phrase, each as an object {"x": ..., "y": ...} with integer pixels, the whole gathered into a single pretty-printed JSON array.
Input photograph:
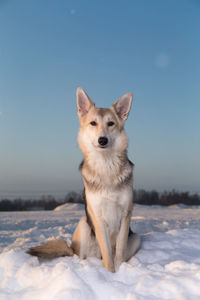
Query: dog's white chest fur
[
  {"x": 110, "y": 207},
  {"x": 107, "y": 201}
]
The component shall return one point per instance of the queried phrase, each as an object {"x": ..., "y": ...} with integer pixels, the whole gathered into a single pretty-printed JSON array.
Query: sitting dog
[{"x": 108, "y": 188}]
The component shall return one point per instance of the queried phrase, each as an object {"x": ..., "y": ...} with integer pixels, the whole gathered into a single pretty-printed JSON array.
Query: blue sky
[{"x": 49, "y": 48}]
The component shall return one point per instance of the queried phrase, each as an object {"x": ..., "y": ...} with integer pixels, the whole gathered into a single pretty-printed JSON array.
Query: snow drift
[{"x": 166, "y": 267}]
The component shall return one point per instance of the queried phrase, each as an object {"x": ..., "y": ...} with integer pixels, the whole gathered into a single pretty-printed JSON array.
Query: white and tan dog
[{"x": 108, "y": 180}]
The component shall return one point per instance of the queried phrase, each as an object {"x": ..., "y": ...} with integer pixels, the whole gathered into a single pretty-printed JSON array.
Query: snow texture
[{"x": 166, "y": 267}]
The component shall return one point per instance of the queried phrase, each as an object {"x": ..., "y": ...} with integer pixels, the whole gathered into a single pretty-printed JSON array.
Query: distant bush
[
  {"x": 73, "y": 197},
  {"x": 48, "y": 202}
]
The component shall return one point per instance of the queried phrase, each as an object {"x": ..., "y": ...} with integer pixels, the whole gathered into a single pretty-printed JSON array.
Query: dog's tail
[{"x": 52, "y": 249}]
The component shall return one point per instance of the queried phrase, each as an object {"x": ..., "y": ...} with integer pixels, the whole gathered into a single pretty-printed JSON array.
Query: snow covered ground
[{"x": 166, "y": 267}]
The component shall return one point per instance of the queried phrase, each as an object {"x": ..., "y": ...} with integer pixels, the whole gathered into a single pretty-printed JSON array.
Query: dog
[{"x": 108, "y": 188}]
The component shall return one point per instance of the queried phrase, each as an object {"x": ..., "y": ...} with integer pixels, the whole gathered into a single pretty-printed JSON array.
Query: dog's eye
[
  {"x": 93, "y": 123},
  {"x": 111, "y": 123}
]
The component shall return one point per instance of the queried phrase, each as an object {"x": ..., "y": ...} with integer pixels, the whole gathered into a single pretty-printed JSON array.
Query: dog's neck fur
[
  {"x": 108, "y": 162},
  {"x": 109, "y": 168}
]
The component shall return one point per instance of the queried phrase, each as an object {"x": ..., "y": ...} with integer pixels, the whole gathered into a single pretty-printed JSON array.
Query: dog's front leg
[
  {"x": 103, "y": 239},
  {"x": 121, "y": 242}
]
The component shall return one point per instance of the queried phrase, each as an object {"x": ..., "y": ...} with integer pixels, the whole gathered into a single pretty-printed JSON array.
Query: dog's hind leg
[
  {"x": 84, "y": 243},
  {"x": 133, "y": 245}
]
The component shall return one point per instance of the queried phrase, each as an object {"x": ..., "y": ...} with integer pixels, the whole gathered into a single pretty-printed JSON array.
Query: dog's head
[{"x": 102, "y": 129}]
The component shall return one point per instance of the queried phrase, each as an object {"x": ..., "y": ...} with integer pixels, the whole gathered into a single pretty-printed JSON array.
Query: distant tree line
[
  {"x": 46, "y": 202},
  {"x": 166, "y": 198},
  {"x": 141, "y": 197}
]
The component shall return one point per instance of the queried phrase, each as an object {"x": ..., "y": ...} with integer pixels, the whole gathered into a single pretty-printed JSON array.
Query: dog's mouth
[{"x": 102, "y": 147}]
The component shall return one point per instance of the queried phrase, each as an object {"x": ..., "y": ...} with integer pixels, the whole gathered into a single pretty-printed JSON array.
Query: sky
[{"x": 109, "y": 48}]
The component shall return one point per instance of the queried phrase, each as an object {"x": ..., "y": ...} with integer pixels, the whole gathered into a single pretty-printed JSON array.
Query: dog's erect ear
[
  {"x": 123, "y": 106},
  {"x": 83, "y": 102}
]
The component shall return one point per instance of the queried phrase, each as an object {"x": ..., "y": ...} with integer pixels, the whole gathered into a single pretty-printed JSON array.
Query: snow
[{"x": 166, "y": 267}]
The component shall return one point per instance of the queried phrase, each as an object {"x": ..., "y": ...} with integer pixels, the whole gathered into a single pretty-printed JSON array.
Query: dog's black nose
[{"x": 103, "y": 140}]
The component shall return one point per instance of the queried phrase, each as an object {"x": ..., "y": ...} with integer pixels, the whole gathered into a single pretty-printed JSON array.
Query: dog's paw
[
  {"x": 110, "y": 267},
  {"x": 117, "y": 262}
]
